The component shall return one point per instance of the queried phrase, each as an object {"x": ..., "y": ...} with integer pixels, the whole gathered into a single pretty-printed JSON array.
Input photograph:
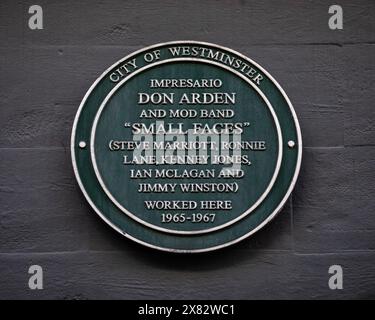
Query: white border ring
[{"x": 212, "y": 248}]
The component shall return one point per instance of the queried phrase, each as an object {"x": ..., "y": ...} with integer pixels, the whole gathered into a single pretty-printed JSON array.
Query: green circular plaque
[{"x": 186, "y": 146}]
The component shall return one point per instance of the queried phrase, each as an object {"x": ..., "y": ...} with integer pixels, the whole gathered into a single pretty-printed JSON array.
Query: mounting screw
[
  {"x": 291, "y": 144},
  {"x": 82, "y": 144}
]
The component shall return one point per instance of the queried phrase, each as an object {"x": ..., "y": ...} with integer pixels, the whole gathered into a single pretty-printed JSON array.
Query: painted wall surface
[{"x": 329, "y": 220}]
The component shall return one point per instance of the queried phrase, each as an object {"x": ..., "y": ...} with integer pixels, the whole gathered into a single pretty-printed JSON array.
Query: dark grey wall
[{"x": 330, "y": 218}]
